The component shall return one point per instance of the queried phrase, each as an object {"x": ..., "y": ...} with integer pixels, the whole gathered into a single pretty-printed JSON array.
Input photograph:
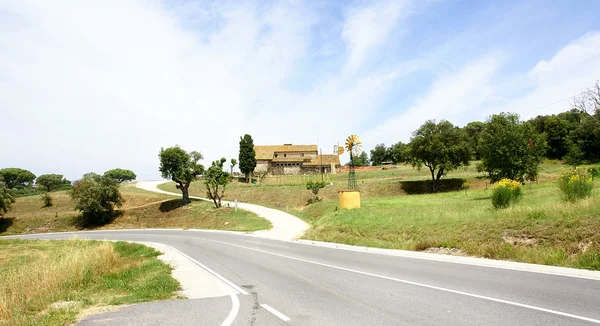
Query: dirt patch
[
  {"x": 446, "y": 251},
  {"x": 521, "y": 240}
]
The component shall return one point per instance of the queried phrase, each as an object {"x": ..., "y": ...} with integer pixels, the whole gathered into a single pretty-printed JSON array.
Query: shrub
[
  {"x": 575, "y": 185},
  {"x": 506, "y": 192},
  {"x": 6, "y": 198},
  {"x": 594, "y": 173},
  {"x": 47, "y": 199},
  {"x": 96, "y": 197},
  {"x": 315, "y": 187}
]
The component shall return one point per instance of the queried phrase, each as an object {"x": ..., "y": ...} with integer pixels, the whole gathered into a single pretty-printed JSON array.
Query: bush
[
  {"x": 96, "y": 197},
  {"x": 594, "y": 173},
  {"x": 314, "y": 187},
  {"x": 7, "y": 198},
  {"x": 575, "y": 185},
  {"x": 47, "y": 199},
  {"x": 506, "y": 192}
]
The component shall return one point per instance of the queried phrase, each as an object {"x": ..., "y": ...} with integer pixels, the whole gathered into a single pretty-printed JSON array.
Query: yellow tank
[{"x": 349, "y": 199}]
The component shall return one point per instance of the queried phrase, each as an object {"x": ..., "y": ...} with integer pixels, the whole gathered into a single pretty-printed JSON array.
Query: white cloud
[
  {"x": 479, "y": 89},
  {"x": 89, "y": 86},
  {"x": 450, "y": 96},
  {"x": 368, "y": 27}
]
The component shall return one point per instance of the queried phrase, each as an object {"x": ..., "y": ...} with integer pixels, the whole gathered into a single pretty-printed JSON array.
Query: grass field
[
  {"x": 52, "y": 282},
  {"x": 542, "y": 228},
  {"x": 142, "y": 209}
]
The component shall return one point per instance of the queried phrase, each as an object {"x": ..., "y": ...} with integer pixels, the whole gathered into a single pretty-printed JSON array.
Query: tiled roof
[
  {"x": 289, "y": 159},
  {"x": 266, "y": 152},
  {"x": 326, "y": 160}
]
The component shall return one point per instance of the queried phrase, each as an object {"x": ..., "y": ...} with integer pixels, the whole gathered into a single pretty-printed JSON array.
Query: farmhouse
[{"x": 294, "y": 159}]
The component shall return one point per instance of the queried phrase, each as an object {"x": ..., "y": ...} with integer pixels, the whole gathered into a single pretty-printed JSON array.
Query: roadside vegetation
[
  {"x": 51, "y": 282},
  {"x": 141, "y": 209}
]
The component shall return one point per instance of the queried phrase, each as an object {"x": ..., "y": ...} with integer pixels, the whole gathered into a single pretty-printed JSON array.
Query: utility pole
[{"x": 322, "y": 168}]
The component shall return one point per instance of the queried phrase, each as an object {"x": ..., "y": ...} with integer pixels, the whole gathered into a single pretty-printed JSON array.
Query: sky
[{"x": 87, "y": 86}]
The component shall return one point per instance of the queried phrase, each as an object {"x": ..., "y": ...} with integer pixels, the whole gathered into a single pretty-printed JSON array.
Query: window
[
  {"x": 284, "y": 155},
  {"x": 275, "y": 154},
  {"x": 302, "y": 154}
]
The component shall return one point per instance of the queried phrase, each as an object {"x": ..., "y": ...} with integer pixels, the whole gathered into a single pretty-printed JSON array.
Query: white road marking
[
  {"x": 555, "y": 312},
  {"x": 235, "y": 307},
  {"x": 215, "y": 274},
  {"x": 275, "y": 312},
  {"x": 560, "y": 313},
  {"x": 474, "y": 261}
]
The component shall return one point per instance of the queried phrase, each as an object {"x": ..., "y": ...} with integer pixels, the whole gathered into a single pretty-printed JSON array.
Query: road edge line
[{"x": 275, "y": 312}]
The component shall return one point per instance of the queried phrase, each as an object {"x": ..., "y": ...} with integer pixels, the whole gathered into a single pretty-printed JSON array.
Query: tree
[
  {"x": 379, "y": 154},
  {"x": 441, "y": 147},
  {"x": 216, "y": 180},
  {"x": 399, "y": 153},
  {"x": 510, "y": 148},
  {"x": 314, "y": 187},
  {"x": 91, "y": 175},
  {"x": 557, "y": 131},
  {"x": 120, "y": 175},
  {"x": 247, "y": 156},
  {"x": 474, "y": 129},
  {"x": 360, "y": 160},
  {"x": 51, "y": 182},
  {"x": 6, "y": 198},
  {"x": 15, "y": 177},
  {"x": 233, "y": 164},
  {"x": 96, "y": 197},
  {"x": 181, "y": 167},
  {"x": 589, "y": 101}
]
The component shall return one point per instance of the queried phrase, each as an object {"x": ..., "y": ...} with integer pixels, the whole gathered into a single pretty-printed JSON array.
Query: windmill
[{"x": 353, "y": 146}]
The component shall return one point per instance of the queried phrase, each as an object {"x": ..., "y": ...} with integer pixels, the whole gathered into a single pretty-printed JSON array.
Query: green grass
[
  {"x": 142, "y": 209},
  {"x": 541, "y": 229},
  {"x": 76, "y": 276}
]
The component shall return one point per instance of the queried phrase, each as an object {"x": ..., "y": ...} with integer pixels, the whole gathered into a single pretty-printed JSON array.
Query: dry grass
[
  {"x": 46, "y": 282},
  {"x": 142, "y": 209}
]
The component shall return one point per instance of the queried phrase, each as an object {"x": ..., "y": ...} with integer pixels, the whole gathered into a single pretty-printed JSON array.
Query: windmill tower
[
  {"x": 353, "y": 146},
  {"x": 350, "y": 198}
]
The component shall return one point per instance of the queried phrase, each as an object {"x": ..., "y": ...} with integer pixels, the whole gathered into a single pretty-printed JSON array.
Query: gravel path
[{"x": 285, "y": 226}]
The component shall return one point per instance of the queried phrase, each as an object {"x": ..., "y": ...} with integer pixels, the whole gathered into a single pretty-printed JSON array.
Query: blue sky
[{"x": 92, "y": 85}]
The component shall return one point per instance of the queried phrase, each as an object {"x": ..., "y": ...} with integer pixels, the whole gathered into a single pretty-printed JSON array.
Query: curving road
[{"x": 296, "y": 283}]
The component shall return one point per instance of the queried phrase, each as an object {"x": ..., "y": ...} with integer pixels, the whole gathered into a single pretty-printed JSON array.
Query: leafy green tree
[
  {"x": 120, "y": 175},
  {"x": 399, "y": 153},
  {"x": 91, "y": 175},
  {"x": 247, "y": 156},
  {"x": 314, "y": 187},
  {"x": 586, "y": 136},
  {"x": 361, "y": 160},
  {"x": 441, "y": 147},
  {"x": 6, "y": 198},
  {"x": 557, "y": 132},
  {"x": 181, "y": 167},
  {"x": 233, "y": 164},
  {"x": 96, "y": 197},
  {"x": 574, "y": 156},
  {"x": 216, "y": 180},
  {"x": 474, "y": 129},
  {"x": 15, "y": 177},
  {"x": 510, "y": 148},
  {"x": 52, "y": 182},
  {"x": 379, "y": 154}
]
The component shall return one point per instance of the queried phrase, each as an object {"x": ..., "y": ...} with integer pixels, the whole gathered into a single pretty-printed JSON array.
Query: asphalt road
[{"x": 314, "y": 285}]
